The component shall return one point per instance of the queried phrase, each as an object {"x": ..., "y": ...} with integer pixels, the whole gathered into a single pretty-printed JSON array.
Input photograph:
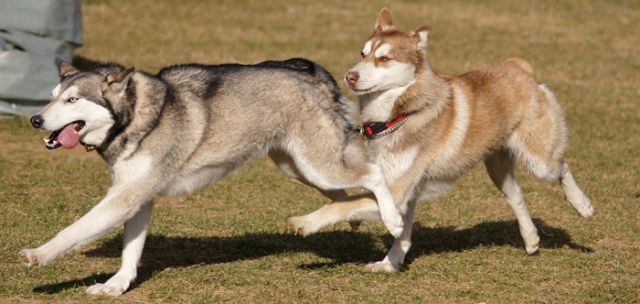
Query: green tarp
[{"x": 35, "y": 35}]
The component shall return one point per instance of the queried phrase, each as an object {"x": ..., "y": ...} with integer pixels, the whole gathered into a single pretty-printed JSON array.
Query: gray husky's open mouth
[{"x": 67, "y": 136}]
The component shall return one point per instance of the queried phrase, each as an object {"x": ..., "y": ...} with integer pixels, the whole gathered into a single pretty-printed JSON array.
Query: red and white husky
[{"x": 425, "y": 130}]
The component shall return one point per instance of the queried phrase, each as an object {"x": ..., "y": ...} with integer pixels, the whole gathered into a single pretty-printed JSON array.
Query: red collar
[{"x": 377, "y": 129}]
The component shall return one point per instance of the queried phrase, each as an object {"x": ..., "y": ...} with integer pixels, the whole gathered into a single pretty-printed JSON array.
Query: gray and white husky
[{"x": 189, "y": 125}]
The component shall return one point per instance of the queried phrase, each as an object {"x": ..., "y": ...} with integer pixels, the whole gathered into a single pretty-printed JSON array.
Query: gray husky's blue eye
[{"x": 72, "y": 99}]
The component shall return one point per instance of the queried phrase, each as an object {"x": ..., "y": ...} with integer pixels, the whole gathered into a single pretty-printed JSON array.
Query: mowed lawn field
[{"x": 229, "y": 242}]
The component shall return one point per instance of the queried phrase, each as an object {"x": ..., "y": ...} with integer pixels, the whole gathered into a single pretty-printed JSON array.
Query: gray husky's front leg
[
  {"x": 132, "y": 188},
  {"x": 121, "y": 203},
  {"x": 135, "y": 233},
  {"x": 110, "y": 213}
]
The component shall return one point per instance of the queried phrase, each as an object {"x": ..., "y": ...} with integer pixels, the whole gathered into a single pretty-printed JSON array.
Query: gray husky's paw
[
  {"x": 29, "y": 257},
  {"x": 106, "y": 290},
  {"x": 382, "y": 266},
  {"x": 115, "y": 286}
]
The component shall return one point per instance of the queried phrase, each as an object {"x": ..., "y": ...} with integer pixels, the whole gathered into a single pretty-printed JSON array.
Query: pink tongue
[{"x": 69, "y": 137}]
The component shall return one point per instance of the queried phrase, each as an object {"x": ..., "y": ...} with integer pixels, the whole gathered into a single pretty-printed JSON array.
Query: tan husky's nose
[{"x": 352, "y": 78}]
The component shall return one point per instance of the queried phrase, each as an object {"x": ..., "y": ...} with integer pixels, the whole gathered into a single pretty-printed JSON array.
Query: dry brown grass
[{"x": 229, "y": 242}]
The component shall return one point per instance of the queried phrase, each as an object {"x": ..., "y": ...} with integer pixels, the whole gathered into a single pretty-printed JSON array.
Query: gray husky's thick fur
[{"x": 189, "y": 125}]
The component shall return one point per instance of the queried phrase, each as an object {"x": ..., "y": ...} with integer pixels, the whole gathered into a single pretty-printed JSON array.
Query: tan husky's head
[{"x": 390, "y": 58}]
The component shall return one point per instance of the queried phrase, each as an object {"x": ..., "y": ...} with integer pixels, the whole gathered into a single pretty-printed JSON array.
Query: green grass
[{"x": 229, "y": 242}]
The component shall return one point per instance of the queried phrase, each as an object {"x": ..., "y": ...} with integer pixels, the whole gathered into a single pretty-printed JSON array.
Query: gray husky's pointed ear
[
  {"x": 119, "y": 76},
  {"x": 114, "y": 81},
  {"x": 423, "y": 35},
  {"x": 65, "y": 69},
  {"x": 384, "y": 23}
]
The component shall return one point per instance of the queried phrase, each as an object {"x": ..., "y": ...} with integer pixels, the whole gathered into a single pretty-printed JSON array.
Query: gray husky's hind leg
[
  {"x": 296, "y": 225},
  {"x": 287, "y": 165},
  {"x": 347, "y": 169}
]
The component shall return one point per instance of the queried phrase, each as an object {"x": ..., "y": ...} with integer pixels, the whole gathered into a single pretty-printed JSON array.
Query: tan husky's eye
[
  {"x": 361, "y": 54},
  {"x": 72, "y": 99},
  {"x": 384, "y": 59}
]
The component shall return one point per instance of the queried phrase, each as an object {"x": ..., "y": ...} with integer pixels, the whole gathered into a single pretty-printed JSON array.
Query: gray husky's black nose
[{"x": 37, "y": 121}]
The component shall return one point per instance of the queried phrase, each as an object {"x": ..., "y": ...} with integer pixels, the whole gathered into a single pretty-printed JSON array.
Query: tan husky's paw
[
  {"x": 29, "y": 257},
  {"x": 301, "y": 226}
]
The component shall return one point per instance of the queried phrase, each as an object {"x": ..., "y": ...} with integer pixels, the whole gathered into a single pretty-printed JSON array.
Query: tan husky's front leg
[{"x": 356, "y": 208}]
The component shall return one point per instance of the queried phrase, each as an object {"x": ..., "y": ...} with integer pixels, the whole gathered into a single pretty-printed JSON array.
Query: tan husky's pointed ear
[
  {"x": 65, "y": 69},
  {"x": 119, "y": 76},
  {"x": 384, "y": 23},
  {"x": 423, "y": 36}
]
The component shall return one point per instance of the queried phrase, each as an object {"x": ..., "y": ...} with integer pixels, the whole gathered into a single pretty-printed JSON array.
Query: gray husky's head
[{"x": 81, "y": 109}]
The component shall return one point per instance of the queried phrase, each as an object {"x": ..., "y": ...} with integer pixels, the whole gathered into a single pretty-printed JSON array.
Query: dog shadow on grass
[{"x": 341, "y": 247}]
